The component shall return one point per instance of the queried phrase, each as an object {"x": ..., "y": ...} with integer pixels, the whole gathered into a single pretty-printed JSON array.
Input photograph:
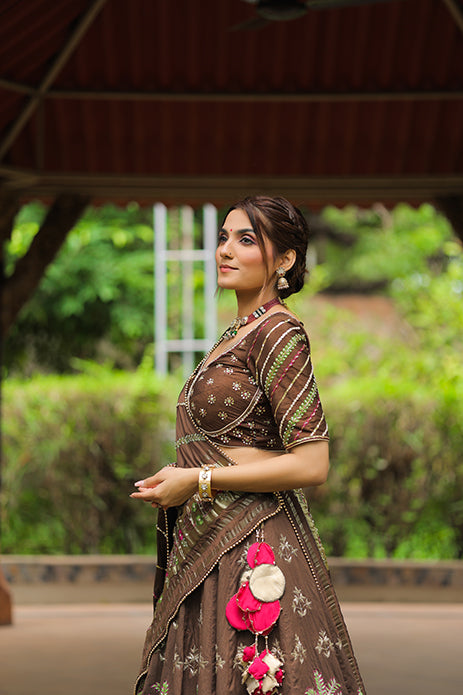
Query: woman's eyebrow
[{"x": 246, "y": 230}]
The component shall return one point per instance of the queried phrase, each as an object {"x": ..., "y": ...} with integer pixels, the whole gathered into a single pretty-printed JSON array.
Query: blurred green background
[{"x": 84, "y": 415}]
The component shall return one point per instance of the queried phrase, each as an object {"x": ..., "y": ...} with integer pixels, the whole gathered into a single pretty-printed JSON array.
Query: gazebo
[{"x": 193, "y": 101}]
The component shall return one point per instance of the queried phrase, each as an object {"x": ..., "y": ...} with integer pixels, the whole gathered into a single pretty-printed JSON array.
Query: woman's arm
[{"x": 303, "y": 466}]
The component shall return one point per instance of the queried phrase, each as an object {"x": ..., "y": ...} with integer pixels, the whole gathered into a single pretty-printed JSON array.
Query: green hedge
[
  {"x": 396, "y": 475},
  {"x": 72, "y": 448},
  {"x": 74, "y": 445}
]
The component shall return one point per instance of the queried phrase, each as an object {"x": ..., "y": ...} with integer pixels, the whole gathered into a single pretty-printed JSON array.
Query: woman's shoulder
[
  {"x": 280, "y": 330},
  {"x": 278, "y": 323}
]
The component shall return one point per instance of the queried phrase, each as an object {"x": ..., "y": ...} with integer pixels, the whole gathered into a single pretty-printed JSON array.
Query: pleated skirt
[{"x": 203, "y": 654}]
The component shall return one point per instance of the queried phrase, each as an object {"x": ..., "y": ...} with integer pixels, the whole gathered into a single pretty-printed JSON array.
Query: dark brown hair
[{"x": 285, "y": 227}]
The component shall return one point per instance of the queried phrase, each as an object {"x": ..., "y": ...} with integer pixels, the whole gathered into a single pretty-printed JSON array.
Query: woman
[{"x": 243, "y": 600}]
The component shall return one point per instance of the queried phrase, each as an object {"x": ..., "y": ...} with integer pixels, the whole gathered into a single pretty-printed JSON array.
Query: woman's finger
[
  {"x": 147, "y": 482},
  {"x": 147, "y": 494}
]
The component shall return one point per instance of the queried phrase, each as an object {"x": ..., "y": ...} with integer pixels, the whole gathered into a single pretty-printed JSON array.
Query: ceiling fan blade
[
  {"x": 251, "y": 24},
  {"x": 331, "y": 4},
  {"x": 269, "y": 11}
]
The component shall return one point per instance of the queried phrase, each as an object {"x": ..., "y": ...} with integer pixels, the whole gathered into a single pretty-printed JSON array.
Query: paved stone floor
[{"x": 93, "y": 649}]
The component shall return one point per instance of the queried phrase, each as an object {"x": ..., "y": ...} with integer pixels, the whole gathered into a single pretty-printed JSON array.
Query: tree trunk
[
  {"x": 452, "y": 207},
  {"x": 18, "y": 289},
  {"x": 9, "y": 206}
]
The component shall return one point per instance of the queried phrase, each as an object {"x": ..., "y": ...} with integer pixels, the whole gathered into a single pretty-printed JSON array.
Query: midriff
[{"x": 248, "y": 454}]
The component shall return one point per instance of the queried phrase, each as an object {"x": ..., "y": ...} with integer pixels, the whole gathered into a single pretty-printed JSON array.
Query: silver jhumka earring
[{"x": 282, "y": 283}]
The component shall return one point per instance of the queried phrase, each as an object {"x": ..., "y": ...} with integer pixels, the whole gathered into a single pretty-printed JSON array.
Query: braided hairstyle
[{"x": 284, "y": 225}]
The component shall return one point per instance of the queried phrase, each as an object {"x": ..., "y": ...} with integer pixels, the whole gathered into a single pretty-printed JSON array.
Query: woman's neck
[{"x": 249, "y": 302}]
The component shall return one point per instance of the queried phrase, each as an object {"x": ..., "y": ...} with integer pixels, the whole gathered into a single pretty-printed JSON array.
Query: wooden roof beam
[
  {"x": 417, "y": 95},
  {"x": 136, "y": 95},
  {"x": 456, "y": 10},
  {"x": 19, "y": 87},
  {"x": 60, "y": 60},
  {"x": 323, "y": 189}
]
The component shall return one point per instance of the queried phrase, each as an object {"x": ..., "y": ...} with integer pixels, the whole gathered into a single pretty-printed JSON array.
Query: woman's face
[{"x": 240, "y": 264}]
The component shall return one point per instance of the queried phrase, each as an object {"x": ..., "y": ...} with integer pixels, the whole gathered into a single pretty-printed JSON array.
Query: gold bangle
[{"x": 204, "y": 483}]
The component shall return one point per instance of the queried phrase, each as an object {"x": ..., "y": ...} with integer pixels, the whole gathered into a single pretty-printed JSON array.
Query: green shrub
[
  {"x": 395, "y": 483},
  {"x": 73, "y": 447}
]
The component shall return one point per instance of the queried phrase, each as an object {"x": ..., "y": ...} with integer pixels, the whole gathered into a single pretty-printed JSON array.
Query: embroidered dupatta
[{"x": 192, "y": 538}]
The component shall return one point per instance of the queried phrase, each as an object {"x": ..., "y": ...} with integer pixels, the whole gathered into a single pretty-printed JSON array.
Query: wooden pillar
[
  {"x": 452, "y": 207},
  {"x": 6, "y": 609}
]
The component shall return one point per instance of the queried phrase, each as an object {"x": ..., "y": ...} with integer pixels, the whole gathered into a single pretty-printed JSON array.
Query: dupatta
[{"x": 192, "y": 538}]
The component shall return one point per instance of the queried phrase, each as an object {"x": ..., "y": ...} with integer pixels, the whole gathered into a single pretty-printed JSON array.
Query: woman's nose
[{"x": 226, "y": 249}]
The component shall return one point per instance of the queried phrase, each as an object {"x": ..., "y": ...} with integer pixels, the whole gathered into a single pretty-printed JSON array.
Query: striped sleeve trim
[
  {"x": 282, "y": 356},
  {"x": 289, "y": 387},
  {"x": 294, "y": 419},
  {"x": 300, "y": 394}
]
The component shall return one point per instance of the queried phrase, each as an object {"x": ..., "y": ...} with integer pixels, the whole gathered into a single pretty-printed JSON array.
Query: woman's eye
[
  {"x": 221, "y": 238},
  {"x": 247, "y": 240}
]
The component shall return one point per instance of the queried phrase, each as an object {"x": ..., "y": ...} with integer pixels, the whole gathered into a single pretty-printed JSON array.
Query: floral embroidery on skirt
[{"x": 203, "y": 653}]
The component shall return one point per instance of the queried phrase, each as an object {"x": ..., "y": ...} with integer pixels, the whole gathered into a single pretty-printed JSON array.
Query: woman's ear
[{"x": 287, "y": 259}]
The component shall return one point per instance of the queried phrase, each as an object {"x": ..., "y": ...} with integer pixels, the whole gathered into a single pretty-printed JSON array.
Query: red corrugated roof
[{"x": 197, "y": 97}]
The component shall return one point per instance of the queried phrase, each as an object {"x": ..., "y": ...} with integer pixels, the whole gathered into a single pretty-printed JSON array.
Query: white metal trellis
[{"x": 187, "y": 344}]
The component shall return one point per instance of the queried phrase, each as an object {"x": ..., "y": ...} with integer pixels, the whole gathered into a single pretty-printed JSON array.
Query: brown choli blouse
[{"x": 262, "y": 391}]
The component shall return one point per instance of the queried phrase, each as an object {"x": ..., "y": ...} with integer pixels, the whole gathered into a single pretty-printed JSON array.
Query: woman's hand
[{"x": 170, "y": 487}]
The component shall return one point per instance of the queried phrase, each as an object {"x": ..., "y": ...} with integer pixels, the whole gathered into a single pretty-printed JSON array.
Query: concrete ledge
[
  {"x": 26, "y": 569},
  {"x": 79, "y": 578},
  {"x": 122, "y": 578},
  {"x": 398, "y": 580}
]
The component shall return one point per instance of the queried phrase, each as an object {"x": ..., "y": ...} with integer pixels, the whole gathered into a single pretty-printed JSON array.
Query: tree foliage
[
  {"x": 388, "y": 245},
  {"x": 95, "y": 299}
]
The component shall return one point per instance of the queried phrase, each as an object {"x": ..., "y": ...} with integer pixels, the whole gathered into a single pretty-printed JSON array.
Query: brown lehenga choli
[{"x": 243, "y": 600}]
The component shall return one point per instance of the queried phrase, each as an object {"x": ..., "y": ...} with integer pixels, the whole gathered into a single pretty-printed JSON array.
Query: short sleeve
[{"x": 279, "y": 358}]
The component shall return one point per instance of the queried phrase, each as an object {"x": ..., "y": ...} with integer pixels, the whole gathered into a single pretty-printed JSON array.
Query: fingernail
[{"x": 139, "y": 482}]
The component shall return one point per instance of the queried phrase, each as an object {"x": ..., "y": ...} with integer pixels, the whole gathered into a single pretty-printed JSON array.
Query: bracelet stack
[{"x": 204, "y": 483}]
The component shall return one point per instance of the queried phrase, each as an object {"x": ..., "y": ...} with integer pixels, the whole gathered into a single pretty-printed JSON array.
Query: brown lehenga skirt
[{"x": 202, "y": 653}]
